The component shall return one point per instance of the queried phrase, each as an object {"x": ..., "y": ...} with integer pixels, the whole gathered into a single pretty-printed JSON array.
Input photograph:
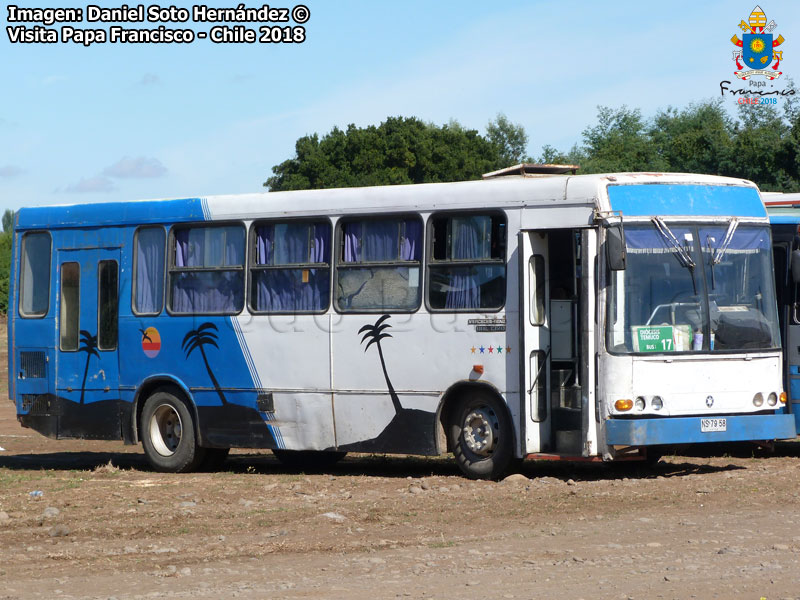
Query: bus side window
[
  {"x": 290, "y": 267},
  {"x": 207, "y": 270},
  {"x": 34, "y": 297},
  {"x": 148, "y": 270},
  {"x": 70, "y": 305},
  {"x": 537, "y": 278},
  {"x": 378, "y": 265},
  {"x": 467, "y": 267},
  {"x": 107, "y": 304}
]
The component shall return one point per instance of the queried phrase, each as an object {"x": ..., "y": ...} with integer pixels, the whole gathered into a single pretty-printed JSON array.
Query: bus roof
[
  {"x": 782, "y": 208},
  {"x": 574, "y": 191}
]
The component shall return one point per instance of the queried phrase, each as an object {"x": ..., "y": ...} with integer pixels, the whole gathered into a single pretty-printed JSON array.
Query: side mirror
[
  {"x": 796, "y": 266},
  {"x": 615, "y": 248}
]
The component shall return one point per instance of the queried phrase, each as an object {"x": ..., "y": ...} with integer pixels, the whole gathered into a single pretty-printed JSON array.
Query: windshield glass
[{"x": 690, "y": 288}]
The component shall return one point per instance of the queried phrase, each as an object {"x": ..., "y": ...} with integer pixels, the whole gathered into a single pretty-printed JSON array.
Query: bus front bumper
[{"x": 688, "y": 430}]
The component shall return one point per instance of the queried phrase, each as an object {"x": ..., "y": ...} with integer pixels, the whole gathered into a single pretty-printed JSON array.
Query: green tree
[
  {"x": 697, "y": 139},
  {"x": 758, "y": 142},
  {"x": 619, "y": 142},
  {"x": 6, "y": 240},
  {"x": 8, "y": 220},
  {"x": 399, "y": 150},
  {"x": 511, "y": 139},
  {"x": 764, "y": 150}
]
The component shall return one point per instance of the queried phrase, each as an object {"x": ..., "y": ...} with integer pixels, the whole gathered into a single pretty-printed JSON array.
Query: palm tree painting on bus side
[
  {"x": 410, "y": 429},
  {"x": 375, "y": 333},
  {"x": 205, "y": 335},
  {"x": 88, "y": 345}
]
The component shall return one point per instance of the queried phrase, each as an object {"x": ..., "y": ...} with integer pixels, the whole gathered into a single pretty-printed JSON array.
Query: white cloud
[
  {"x": 140, "y": 167},
  {"x": 91, "y": 185},
  {"x": 10, "y": 171},
  {"x": 53, "y": 79},
  {"x": 149, "y": 79}
]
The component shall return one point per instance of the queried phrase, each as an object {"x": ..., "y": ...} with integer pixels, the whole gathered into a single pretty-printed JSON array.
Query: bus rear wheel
[
  {"x": 480, "y": 436},
  {"x": 168, "y": 434}
]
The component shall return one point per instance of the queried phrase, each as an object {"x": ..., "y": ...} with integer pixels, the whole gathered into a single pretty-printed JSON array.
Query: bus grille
[{"x": 33, "y": 365}]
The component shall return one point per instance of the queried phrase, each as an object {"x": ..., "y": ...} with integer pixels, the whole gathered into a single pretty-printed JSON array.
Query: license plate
[{"x": 707, "y": 425}]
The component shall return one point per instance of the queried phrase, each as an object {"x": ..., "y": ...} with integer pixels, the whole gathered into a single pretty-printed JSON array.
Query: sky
[{"x": 130, "y": 121}]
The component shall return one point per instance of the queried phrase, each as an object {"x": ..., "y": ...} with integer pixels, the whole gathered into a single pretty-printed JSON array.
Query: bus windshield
[{"x": 693, "y": 288}]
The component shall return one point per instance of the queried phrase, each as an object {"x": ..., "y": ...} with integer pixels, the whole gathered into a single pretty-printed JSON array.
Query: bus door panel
[
  {"x": 87, "y": 355},
  {"x": 535, "y": 337},
  {"x": 788, "y": 298},
  {"x": 792, "y": 354}
]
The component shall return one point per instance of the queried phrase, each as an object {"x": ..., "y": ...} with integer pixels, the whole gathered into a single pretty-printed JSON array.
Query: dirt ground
[{"x": 101, "y": 524}]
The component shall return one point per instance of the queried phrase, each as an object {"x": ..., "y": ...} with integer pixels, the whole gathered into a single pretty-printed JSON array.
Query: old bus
[{"x": 593, "y": 317}]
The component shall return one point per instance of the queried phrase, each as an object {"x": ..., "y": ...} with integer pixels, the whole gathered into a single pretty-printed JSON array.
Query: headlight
[
  {"x": 772, "y": 399},
  {"x": 640, "y": 403},
  {"x": 758, "y": 399},
  {"x": 657, "y": 403}
]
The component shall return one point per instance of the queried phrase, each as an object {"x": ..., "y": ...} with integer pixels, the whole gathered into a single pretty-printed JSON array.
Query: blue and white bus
[{"x": 594, "y": 317}]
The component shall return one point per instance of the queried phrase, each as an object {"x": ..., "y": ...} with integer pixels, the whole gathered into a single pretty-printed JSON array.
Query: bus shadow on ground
[
  {"x": 73, "y": 461},
  {"x": 399, "y": 467},
  {"x": 675, "y": 467}
]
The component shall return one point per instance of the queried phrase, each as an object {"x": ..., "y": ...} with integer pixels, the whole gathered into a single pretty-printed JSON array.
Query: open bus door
[
  {"x": 535, "y": 340},
  {"x": 551, "y": 369}
]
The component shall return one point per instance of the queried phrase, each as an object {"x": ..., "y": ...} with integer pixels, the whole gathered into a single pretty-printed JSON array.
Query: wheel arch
[
  {"x": 449, "y": 402},
  {"x": 148, "y": 387}
]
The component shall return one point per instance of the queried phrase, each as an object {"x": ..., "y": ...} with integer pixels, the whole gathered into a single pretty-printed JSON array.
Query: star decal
[
  {"x": 499, "y": 349},
  {"x": 481, "y": 349},
  {"x": 491, "y": 349},
  {"x": 508, "y": 349},
  {"x": 473, "y": 349}
]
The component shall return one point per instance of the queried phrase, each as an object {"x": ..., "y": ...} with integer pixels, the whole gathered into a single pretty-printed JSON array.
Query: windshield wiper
[
  {"x": 680, "y": 252},
  {"x": 726, "y": 241},
  {"x": 717, "y": 255},
  {"x": 669, "y": 237}
]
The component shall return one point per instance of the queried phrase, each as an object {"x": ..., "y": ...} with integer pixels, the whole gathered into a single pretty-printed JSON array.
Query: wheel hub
[
  {"x": 479, "y": 431},
  {"x": 165, "y": 430}
]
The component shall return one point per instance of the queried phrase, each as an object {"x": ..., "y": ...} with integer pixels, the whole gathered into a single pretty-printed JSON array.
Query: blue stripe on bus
[
  {"x": 676, "y": 199},
  {"x": 116, "y": 213},
  {"x": 784, "y": 219},
  {"x": 794, "y": 389},
  {"x": 794, "y": 369},
  {"x": 686, "y": 430}
]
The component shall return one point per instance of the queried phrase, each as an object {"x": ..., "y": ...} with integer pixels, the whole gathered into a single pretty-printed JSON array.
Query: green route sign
[{"x": 655, "y": 339}]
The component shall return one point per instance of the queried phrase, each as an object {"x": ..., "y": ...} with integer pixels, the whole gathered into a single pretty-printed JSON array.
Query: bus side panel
[
  {"x": 11, "y": 315},
  {"x": 31, "y": 354},
  {"x": 206, "y": 354}
]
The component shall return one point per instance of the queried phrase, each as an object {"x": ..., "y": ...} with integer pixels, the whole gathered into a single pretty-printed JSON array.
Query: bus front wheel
[
  {"x": 480, "y": 436},
  {"x": 168, "y": 434}
]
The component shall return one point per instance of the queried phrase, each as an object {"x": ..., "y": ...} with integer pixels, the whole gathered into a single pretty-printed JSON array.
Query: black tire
[
  {"x": 168, "y": 434},
  {"x": 480, "y": 436},
  {"x": 316, "y": 460},
  {"x": 214, "y": 459}
]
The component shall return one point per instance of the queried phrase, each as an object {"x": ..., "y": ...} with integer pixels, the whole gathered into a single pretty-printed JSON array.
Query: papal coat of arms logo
[{"x": 757, "y": 47}]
